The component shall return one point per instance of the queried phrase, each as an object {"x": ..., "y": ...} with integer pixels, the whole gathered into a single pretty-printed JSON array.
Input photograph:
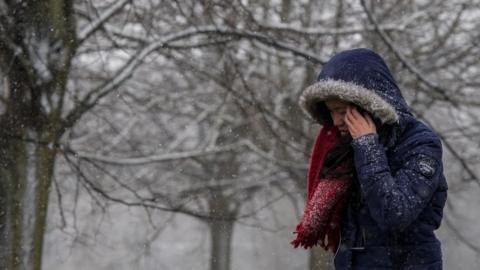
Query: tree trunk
[
  {"x": 38, "y": 43},
  {"x": 221, "y": 232},
  {"x": 320, "y": 259},
  {"x": 26, "y": 169}
]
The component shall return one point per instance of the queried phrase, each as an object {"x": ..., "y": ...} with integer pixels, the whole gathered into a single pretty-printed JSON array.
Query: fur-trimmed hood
[{"x": 359, "y": 76}]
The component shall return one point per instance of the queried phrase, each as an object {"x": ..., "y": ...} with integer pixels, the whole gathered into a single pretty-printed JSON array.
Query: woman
[{"x": 376, "y": 188}]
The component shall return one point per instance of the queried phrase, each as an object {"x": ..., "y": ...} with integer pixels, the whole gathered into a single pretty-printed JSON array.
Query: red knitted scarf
[{"x": 326, "y": 198}]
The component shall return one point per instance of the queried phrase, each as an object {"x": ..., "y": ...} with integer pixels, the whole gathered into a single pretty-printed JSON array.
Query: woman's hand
[{"x": 359, "y": 125}]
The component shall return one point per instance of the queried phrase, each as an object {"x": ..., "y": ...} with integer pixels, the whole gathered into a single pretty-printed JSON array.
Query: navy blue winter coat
[{"x": 401, "y": 186}]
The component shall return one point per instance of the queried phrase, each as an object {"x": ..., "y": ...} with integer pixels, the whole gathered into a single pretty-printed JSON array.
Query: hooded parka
[{"x": 401, "y": 186}]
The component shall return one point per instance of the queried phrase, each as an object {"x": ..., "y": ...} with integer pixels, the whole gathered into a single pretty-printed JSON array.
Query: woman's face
[{"x": 338, "y": 109}]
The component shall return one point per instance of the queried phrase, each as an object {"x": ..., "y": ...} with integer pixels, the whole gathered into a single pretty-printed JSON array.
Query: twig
[
  {"x": 59, "y": 198},
  {"x": 452, "y": 150},
  {"x": 182, "y": 155},
  {"x": 88, "y": 30},
  {"x": 440, "y": 90}
]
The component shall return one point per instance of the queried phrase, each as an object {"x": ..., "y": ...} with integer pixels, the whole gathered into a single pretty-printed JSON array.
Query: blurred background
[{"x": 156, "y": 134}]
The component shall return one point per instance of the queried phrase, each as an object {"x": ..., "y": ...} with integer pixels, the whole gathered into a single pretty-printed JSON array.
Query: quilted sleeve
[{"x": 395, "y": 201}]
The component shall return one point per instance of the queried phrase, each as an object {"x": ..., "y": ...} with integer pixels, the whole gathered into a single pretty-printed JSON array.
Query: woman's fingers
[
  {"x": 350, "y": 126},
  {"x": 355, "y": 113},
  {"x": 355, "y": 118},
  {"x": 348, "y": 121},
  {"x": 350, "y": 115},
  {"x": 357, "y": 123},
  {"x": 349, "y": 112}
]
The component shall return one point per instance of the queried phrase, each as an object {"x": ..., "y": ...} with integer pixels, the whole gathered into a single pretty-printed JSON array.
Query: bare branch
[
  {"x": 183, "y": 155},
  {"x": 60, "y": 202},
  {"x": 318, "y": 31},
  {"x": 128, "y": 69},
  {"x": 150, "y": 203},
  {"x": 457, "y": 155},
  {"x": 440, "y": 90},
  {"x": 153, "y": 158},
  {"x": 88, "y": 30}
]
